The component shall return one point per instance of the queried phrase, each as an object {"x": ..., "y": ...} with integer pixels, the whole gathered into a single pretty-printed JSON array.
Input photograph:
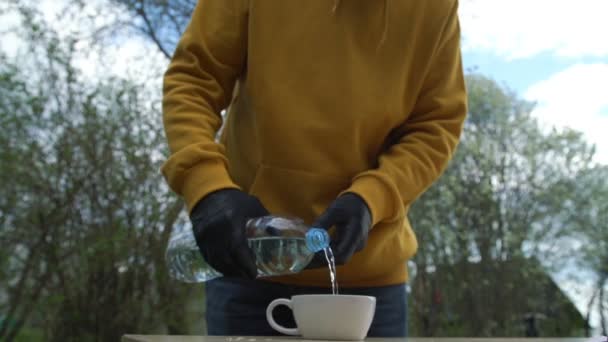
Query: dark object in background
[{"x": 531, "y": 322}]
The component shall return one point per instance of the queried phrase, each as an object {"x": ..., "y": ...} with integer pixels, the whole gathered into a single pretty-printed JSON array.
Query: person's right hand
[{"x": 218, "y": 223}]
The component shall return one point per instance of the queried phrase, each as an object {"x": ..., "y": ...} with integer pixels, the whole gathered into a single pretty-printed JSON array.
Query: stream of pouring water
[{"x": 331, "y": 263}]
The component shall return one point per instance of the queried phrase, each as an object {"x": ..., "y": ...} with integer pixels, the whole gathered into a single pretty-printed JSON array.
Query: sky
[{"x": 551, "y": 52}]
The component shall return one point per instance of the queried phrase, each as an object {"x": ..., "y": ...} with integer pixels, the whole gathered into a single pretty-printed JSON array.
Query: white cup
[{"x": 327, "y": 317}]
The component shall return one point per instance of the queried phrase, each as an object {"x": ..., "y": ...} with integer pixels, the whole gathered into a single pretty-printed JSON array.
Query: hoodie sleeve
[
  {"x": 197, "y": 86},
  {"x": 427, "y": 139}
]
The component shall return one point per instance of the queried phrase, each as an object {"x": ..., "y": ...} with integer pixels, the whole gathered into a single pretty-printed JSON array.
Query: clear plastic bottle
[{"x": 281, "y": 246}]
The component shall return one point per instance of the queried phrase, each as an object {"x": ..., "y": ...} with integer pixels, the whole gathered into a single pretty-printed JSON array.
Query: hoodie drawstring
[
  {"x": 385, "y": 24},
  {"x": 336, "y": 5}
]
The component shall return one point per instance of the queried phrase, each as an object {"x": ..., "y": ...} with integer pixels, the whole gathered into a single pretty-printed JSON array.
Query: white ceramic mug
[{"x": 327, "y": 317}]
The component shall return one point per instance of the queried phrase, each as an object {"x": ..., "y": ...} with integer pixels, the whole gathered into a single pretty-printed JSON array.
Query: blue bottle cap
[{"x": 317, "y": 239}]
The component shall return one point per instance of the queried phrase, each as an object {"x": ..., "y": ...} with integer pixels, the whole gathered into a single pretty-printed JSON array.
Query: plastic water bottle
[{"x": 281, "y": 246}]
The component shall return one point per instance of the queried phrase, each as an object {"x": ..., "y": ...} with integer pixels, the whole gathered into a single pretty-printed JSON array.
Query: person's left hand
[{"x": 351, "y": 217}]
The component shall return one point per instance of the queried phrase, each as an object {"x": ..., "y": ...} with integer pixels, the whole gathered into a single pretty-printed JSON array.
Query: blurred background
[{"x": 513, "y": 238}]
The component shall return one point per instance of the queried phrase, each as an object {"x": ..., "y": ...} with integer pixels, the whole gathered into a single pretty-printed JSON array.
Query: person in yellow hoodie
[{"x": 341, "y": 113}]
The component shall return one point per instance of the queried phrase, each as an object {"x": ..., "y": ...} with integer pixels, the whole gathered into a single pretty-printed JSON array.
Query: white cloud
[
  {"x": 523, "y": 28},
  {"x": 576, "y": 98}
]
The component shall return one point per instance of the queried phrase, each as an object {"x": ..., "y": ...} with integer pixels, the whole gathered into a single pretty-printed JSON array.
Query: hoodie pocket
[{"x": 296, "y": 193}]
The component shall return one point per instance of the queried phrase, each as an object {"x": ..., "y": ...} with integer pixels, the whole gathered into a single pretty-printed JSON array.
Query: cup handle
[{"x": 271, "y": 321}]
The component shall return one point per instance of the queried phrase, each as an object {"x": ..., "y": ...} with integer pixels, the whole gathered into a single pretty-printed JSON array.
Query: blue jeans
[{"x": 237, "y": 307}]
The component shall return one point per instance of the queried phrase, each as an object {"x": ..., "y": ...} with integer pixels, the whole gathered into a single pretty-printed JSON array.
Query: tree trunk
[
  {"x": 601, "y": 308},
  {"x": 589, "y": 308}
]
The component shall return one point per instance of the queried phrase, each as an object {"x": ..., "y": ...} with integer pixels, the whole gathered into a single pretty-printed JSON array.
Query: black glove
[
  {"x": 218, "y": 222},
  {"x": 352, "y": 218}
]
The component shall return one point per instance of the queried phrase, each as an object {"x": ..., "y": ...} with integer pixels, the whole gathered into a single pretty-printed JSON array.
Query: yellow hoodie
[{"x": 323, "y": 97}]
